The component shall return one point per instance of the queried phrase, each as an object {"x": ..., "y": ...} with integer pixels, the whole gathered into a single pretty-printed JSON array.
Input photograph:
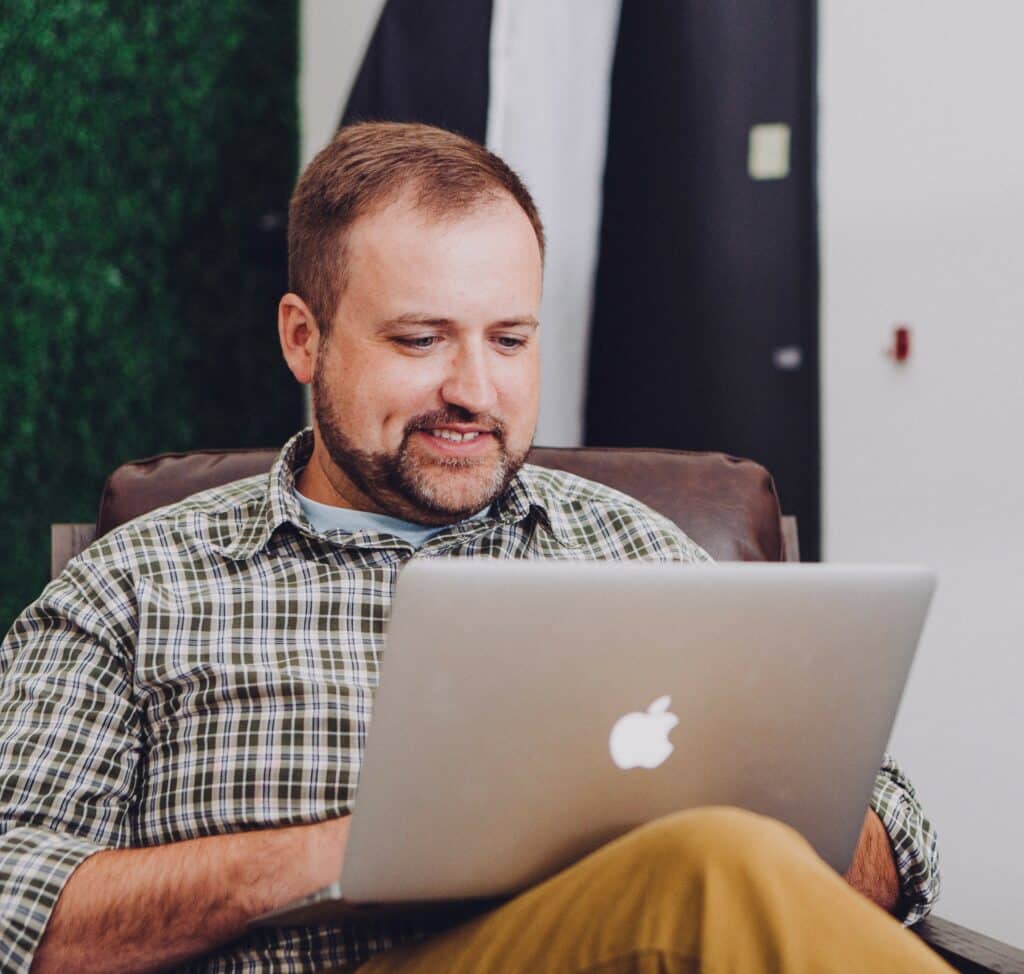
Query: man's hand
[
  {"x": 873, "y": 870},
  {"x": 140, "y": 910}
]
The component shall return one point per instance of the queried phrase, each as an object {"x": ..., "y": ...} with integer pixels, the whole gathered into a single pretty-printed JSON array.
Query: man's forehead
[
  {"x": 406, "y": 212},
  {"x": 420, "y": 265}
]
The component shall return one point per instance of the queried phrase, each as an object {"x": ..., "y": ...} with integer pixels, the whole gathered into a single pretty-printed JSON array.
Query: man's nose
[{"x": 469, "y": 383}]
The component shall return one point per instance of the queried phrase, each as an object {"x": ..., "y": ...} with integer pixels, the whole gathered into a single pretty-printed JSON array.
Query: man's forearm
[
  {"x": 140, "y": 910},
  {"x": 873, "y": 870}
]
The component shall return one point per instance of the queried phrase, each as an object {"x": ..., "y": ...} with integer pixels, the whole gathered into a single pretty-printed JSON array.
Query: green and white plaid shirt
[{"x": 210, "y": 668}]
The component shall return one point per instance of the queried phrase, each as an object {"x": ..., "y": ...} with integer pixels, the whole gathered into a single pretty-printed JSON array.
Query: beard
[{"x": 406, "y": 484}]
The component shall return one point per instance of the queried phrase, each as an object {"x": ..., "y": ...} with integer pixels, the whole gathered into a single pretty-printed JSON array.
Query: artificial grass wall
[{"x": 147, "y": 152}]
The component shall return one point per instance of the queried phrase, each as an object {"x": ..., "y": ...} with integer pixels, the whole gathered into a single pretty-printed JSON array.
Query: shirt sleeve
[
  {"x": 913, "y": 839},
  {"x": 68, "y": 748}
]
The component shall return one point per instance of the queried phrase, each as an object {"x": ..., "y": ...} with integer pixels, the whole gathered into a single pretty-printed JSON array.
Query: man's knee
[
  {"x": 656, "y": 884},
  {"x": 700, "y": 839}
]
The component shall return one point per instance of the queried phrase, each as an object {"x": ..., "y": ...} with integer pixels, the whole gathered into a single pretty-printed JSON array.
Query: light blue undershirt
[{"x": 325, "y": 517}]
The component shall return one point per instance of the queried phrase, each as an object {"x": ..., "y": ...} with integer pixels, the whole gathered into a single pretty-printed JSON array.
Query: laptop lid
[{"x": 529, "y": 712}]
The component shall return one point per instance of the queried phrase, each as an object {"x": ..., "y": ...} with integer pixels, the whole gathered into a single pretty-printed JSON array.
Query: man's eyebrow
[
  {"x": 527, "y": 321},
  {"x": 414, "y": 318}
]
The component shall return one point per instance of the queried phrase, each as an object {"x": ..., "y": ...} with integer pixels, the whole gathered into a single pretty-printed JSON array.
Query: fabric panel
[
  {"x": 427, "y": 62},
  {"x": 548, "y": 118}
]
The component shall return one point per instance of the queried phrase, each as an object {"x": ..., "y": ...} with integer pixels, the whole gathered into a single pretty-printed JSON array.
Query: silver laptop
[{"x": 529, "y": 712}]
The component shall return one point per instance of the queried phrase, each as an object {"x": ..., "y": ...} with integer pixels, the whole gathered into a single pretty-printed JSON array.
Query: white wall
[{"x": 922, "y": 215}]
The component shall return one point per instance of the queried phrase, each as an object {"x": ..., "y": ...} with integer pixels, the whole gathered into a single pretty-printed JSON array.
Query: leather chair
[{"x": 726, "y": 504}]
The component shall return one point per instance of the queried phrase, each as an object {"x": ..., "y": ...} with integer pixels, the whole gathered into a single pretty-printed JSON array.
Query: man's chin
[
  {"x": 420, "y": 485},
  {"x": 445, "y": 492},
  {"x": 445, "y": 504}
]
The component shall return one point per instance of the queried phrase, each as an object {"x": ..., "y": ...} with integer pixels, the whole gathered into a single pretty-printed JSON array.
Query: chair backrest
[{"x": 726, "y": 504}]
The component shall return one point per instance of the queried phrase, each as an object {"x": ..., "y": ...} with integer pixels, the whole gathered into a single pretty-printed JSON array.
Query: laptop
[{"x": 531, "y": 711}]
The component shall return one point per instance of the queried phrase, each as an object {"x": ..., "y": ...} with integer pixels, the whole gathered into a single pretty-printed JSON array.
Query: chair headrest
[{"x": 726, "y": 504}]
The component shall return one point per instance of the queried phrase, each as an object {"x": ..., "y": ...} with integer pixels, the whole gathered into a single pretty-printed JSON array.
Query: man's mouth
[
  {"x": 455, "y": 436},
  {"x": 459, "y": 442}
]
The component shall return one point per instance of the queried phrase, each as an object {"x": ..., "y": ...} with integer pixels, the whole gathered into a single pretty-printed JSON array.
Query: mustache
[{"x": 454, "y": 415}]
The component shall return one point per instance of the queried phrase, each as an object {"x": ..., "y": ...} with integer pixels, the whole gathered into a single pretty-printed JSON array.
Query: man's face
[{"x": 425, "y": 395}]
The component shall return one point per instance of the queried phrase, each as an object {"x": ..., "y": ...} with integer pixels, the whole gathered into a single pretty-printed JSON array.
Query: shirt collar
[
  {"x": 527, "y": 496},
  {"x": 523, "y": 498},
  {"x": 279, "y": 505}
]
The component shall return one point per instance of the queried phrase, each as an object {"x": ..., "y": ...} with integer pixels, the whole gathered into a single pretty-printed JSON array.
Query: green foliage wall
[{"x": 147, "y": 152}]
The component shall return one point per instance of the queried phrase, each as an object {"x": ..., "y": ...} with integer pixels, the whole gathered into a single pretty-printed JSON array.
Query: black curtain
[
  {"x": 427, "y": 62},
  {"x": 704, "y": 332}
]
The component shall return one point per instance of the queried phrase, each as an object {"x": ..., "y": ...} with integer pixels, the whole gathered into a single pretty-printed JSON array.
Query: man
[{"x": 183, "y": 711}]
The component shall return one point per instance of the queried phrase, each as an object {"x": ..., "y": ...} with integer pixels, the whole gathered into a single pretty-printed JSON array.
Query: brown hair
[{"x": 367, "y": 165}]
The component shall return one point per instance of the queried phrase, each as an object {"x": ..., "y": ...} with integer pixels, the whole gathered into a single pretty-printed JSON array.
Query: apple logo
[{"x": 640, "y": 740}]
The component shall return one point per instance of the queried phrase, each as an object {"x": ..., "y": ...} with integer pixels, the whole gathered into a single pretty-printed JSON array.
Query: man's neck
[{"x": 313, "y": 482}]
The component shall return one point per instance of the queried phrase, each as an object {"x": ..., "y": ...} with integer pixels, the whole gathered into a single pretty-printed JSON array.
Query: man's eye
[
  {"x": 511, "y": 342},
  {"x": 423, "y": 342}
]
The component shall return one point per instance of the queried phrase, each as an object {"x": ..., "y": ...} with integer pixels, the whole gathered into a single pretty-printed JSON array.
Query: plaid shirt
[{"x": 210, "y": 668}]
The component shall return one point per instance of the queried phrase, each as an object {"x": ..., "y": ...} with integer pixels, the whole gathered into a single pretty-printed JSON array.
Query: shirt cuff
[
  {"x": 913, "y": 839},
  {"x": 35, "y": 863}
]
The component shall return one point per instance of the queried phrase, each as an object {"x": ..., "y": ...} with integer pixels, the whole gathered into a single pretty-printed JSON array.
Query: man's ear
[{"x": 299, "y": 335}]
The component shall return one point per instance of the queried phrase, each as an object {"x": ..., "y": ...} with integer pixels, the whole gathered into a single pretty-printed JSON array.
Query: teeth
[{"x": 454, "y": 436}]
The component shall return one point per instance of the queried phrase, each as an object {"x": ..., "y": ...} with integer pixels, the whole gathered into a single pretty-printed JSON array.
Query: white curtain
[{"x": 548, "y": 118}]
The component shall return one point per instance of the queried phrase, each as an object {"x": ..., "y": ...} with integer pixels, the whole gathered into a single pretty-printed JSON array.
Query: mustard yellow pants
[{"x": 711, "y": 890}]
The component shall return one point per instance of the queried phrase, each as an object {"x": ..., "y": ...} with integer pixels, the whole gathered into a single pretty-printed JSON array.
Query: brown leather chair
[{"x": 726, "y": 504}]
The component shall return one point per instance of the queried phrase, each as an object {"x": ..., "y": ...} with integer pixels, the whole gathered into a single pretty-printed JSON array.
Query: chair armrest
[
  {"x": 967, "y": 951},
  {"x": 790, "y": 538}
]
